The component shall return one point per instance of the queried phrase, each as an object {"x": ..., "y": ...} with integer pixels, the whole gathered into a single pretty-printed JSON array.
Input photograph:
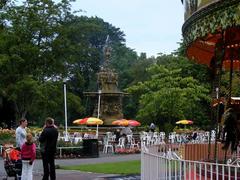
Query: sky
[{"x": 150, "y": 26}]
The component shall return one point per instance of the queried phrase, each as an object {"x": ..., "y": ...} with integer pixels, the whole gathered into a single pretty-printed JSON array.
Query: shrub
[{"x": 7, "y": 136}]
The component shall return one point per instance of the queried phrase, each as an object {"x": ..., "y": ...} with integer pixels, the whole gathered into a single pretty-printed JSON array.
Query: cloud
[{"x": 151, "y": 26}]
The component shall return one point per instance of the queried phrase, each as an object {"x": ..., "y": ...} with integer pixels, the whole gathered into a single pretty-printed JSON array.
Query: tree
[
  {"x": 28, "y": 53},
  {"x": 50, "y": 103},
  {"x": 85, "y": 40},
  {"x": 123, "y": 60},
  {"x": 42, "y": 42},
  {"x": 167, "y": 96},
  {"x": 84, "y": 47}
]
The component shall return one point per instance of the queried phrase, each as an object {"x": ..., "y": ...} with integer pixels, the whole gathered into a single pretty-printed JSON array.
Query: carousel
[{"x": 211, "y": 33}]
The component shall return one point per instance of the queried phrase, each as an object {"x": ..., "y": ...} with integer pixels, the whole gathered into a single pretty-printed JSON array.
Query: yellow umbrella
[
  {"x": 184, "y": 122},
  {"x": 89, "y": 121},
  {"x": 94, "y": 121}
]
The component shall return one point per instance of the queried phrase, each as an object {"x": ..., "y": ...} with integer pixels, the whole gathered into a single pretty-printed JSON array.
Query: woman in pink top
[{"x": 28, "y": 154}]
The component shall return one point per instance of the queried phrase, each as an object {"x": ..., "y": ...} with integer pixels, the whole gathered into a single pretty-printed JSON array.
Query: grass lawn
[{"x": 126, "y": 167}]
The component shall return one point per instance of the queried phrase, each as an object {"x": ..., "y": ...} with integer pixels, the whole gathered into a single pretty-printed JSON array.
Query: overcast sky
[{"x": 151, "y": 26}]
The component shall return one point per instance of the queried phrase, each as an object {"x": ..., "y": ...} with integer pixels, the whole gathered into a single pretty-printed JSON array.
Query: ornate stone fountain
[{"x": 108, "y": 99}]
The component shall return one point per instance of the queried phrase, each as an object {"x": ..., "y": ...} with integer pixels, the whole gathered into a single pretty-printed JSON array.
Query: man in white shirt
[{"x": 21, "y": 133}]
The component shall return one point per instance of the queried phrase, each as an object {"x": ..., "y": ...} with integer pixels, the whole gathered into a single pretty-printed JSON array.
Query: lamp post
[
  {"x": 99, "y": 103},
  {"x": 98, "y": 112},
  {"x": 65, "y": 107},
  {"x": 217, "y": 93}
]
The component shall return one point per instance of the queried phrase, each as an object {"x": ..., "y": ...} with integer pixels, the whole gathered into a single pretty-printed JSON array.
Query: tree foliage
[
  {"x": 168, "y": 96},
  {"x": 29, "y": 58},
  {"x": 42, "y": 42}
]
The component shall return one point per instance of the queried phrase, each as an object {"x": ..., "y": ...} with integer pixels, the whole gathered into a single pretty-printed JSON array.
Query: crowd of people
[{"x": 48, "y": 145}]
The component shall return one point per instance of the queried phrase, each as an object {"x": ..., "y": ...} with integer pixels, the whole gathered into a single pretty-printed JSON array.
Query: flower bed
[
  {"x": 7, "y": 136},
  {"x": 127, "y": 151}
]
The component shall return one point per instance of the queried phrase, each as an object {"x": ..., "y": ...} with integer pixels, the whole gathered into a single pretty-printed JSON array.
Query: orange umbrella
[
  {"x": 125, "y": 122},
  {"x": 121, "y": 122}
]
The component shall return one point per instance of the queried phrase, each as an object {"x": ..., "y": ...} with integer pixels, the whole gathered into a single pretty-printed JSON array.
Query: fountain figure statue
[{"x": 111, "y": 98}]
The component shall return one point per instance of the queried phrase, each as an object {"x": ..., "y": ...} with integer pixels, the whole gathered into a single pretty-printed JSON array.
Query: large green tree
[
  {"x": 41, "y": 43},
  {"x": 29, "y": 57},
  {"x": 86, "y": 38},
  {"x": 131, "y": 69},
  {"x": 167, "y": 97}
]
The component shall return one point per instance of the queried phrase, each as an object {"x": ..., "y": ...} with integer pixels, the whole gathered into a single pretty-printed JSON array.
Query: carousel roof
[
  {"x": 212, "y": 32},
  {"x": 203, "y": 50}
]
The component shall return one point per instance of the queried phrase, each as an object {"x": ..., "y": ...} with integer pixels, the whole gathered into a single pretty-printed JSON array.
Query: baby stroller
[{"x": 12, "y": 162}]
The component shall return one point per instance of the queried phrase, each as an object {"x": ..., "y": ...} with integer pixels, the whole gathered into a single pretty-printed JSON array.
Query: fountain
[{"x": 108, "y": 99}]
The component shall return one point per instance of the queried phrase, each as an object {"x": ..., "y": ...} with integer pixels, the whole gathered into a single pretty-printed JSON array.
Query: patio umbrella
[
  {"x": 184, "y": 122},
  {"x": 77, "y": 121},
  {"x": 125, "y": 122},
  {"x": 134, "y": 123},
  {"x": 89, "y": 121},
  {"x": 121, "y": 122}
]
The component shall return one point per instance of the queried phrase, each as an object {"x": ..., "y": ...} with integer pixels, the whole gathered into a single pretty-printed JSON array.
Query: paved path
[{"x": 77, "y": 175}]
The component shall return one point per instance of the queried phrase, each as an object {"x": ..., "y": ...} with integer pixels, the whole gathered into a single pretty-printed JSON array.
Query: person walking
[
  {"x": 48, "y": 146},
  {"x": 21, "y": 133},
  {"x": 152, "y": 127},
  {"x": 28, "y": 154}
]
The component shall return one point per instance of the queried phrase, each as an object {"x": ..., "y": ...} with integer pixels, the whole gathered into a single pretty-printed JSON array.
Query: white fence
[{"x": 167, "y": 165}]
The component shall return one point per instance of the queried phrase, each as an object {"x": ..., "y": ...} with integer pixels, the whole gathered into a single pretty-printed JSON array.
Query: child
[{"x": 28, "y": 156}]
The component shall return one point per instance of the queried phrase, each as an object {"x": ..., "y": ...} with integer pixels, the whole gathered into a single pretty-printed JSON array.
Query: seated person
[{"x": 117, "y": 134}]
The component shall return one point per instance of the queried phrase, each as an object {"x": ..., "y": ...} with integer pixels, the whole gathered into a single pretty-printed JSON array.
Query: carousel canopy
[{"x": 212, "y": 32}]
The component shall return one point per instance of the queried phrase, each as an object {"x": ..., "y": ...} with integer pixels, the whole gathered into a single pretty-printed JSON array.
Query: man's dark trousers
[{"x": 48, "y": 165}]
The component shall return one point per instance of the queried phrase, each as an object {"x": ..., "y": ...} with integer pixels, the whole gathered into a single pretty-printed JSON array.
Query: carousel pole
[
  {"x": 229, "y": 96},
  {"x": 217, "y": 126},
  {"x": 218, "y": 91},
  {"x": 230, "y": 79},
  {"x": 219, "y": 56},
  {"x": 215, "y": 111},
  {"x": 212, "y": 106}
]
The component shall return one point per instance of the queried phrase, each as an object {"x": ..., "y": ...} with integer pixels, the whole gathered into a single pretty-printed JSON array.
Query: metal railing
[
  {"x": 61, "y": 148},
  {"x": 59, "y": 152},
  {"x": 166, "y": 164}
]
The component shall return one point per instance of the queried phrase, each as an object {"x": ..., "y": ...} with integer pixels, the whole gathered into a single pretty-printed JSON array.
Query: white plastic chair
[
  {"x": 121, "y": 142},
  {"x": 107, "y": 146},
  {"x": 77, "y": 139},
  {"x": 133, "y": 143}
]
